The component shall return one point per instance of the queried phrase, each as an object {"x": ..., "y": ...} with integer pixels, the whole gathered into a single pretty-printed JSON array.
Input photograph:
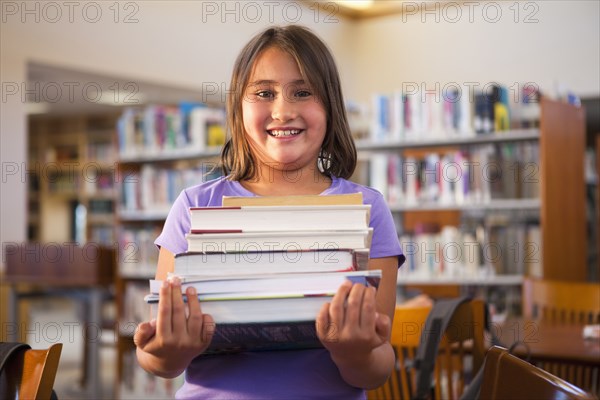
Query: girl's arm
[
  {"x": 167, "y": 345},
  {"x": 356, "y": 326}
]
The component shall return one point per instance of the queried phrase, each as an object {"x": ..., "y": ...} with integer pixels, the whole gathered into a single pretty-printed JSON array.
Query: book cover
[
  {"x": 296, "y": 200},
  {"x": 289, "y": 335}
]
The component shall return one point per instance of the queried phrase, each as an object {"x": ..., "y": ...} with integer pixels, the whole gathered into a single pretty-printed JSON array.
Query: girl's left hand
[{"x": 350, "y": 326}]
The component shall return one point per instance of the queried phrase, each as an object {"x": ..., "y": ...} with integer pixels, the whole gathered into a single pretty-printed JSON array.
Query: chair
[
  {"x": 30, "y": 373},
  {"x": 566, "y": 303},
  {"x": 561, "y": 301},
  {"x": 508, "y": 377},
  {"x": 461, "y": 352}
]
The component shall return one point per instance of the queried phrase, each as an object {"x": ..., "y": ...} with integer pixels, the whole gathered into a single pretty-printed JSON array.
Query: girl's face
[{"x": 285, "y": 122}]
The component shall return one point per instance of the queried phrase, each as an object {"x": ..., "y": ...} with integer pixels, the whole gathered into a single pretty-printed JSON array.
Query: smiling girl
[{"x": 289, "y": 136}]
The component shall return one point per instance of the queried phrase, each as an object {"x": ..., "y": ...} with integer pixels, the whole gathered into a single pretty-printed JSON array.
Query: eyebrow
[{"x": 271, "y": 82}]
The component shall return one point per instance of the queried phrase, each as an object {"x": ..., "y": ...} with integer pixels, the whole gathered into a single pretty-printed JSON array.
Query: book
[
  {"x": 258, "y": 321},
  {"x": 217, "y": 263},
  {"x": 279, "y": 218},
  {"x": 297, "y": 200},
  {"x": 282, "y": 240},
  {"x": 264, "y": 285}
]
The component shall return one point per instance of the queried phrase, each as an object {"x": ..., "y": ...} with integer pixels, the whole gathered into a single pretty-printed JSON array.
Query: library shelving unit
[
  {"x": 71, "y": 178},
  {"x": 155, "y": 164},
  {"x": 557, "y": 200}
]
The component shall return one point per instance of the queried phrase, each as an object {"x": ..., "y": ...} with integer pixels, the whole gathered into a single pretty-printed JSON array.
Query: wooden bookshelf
[
  {"x": 560, "y": 205},
  {"x": 563, "y": 211},
  {"x": 71, "y": 179}
]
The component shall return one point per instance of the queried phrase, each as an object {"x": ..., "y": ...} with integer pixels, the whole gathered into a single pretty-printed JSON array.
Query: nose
[{"x": 284, "y": 109}]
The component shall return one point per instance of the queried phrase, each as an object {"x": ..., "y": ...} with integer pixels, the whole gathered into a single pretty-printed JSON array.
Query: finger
[
  {"x": 354, "y": 306},
  {"x": 208, "y": 328},
  {"x": 178, "y": 307},
  {"x": 369, "y": 309},
  {"x": 194, "y": 320},
  {"x": 322, "y": 323},
  {"x": 338, "y": 305},
  {"x": 163, "y": 319}
]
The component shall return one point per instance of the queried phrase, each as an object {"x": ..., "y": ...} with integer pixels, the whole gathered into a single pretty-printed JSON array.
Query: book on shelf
[
  {"x": 451, "y": 111},
  {"x": 279, "y": 218},
  {"x": 281, "y": 316},
  {"x": 457, "y": 177},
  {"x": 164, "y": 129},
  {"x": 221, "y": 263}
]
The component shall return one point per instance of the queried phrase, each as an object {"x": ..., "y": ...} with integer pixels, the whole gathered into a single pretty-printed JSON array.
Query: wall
[{"x": 550, "y": 43}]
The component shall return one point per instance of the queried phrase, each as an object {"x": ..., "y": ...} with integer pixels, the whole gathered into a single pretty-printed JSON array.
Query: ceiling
[{"x": 58, "y": 90}]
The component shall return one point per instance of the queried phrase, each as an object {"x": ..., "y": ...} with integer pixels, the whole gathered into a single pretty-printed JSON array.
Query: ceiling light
[{"x": 356, "y": 4}]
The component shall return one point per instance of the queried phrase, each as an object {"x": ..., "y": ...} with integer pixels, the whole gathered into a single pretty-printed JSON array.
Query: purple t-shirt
[{"x": 294, "y": 374}]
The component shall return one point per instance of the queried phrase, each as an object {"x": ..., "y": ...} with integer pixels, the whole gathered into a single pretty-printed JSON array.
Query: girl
[{"x": 289, "y": 136}]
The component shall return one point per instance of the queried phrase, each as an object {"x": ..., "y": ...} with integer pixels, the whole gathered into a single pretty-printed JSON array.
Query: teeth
[{"x": 289, "y": 132}]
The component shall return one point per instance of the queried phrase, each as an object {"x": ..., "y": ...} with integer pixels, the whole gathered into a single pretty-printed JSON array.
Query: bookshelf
[
  {"x": 71, "y": 177},
  {"x": 554, "y": 200},
  {"x": 162, "y": 150}
]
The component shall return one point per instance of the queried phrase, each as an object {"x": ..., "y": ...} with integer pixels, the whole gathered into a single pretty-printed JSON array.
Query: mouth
[{"x": 284, "y": 132}]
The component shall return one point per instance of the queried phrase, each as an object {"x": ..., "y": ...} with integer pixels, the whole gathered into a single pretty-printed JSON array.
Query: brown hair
[{"x": 317, "y": 66}]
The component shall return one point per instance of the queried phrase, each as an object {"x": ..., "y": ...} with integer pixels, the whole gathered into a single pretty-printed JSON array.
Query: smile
[{"x": 284, "y": 133}]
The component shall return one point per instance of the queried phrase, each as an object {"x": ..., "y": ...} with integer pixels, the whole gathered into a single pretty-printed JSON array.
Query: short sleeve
[
  {"x": 176, "y": 226},
  {"x": 385, "y": 238}
]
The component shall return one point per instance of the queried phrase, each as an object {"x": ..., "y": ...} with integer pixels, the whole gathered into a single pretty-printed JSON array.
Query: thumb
[
  {"x": 383, "y": 325},
  {"x": 144, "y": 332}
]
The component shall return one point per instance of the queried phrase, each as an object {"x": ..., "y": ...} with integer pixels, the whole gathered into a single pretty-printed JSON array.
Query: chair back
[
  {"x": 561, "y": 301},
  {"x": 565, "y": 303},
  {"x": 463, "y": 339},
  {"x": 30, "y": 373},
  {"x": 508, "y": 377}
]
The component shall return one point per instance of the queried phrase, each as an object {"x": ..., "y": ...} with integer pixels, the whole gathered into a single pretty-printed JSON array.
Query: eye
[
  {"x": 264, "y": 94},
  {"x": 303, "y": 93}
]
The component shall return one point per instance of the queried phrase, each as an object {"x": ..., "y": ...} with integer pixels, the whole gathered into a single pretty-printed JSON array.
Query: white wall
[
  {"x": 186, "y": 44},
  {"x": 547, "y": 42}
]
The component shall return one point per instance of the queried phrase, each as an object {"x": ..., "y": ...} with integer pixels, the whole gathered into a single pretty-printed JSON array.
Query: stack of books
[{"x": 263, "y": 267}]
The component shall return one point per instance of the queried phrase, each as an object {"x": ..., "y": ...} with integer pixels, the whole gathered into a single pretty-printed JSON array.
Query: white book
[
  {"x": 281, "y": 240},
  {"x": 279, "y": 218}
]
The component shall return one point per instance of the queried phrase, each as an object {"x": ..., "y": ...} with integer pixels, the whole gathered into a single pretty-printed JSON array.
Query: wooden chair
[
  {"x": 461, "y": 352},
  {"x": 561, "y": 301},
  {"x": 508, "y": 377},
  {"x": 565, "y": 303},
  {"x": 30, "y": 373}
]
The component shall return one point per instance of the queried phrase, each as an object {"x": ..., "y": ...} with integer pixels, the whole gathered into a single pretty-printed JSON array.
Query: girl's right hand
[{"x": 174, "y": 340}]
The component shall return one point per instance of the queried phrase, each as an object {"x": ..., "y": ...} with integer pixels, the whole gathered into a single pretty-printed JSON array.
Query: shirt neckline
[{"x": 242, "y": 191}]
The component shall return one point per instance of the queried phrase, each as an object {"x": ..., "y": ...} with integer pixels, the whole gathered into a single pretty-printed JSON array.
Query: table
[
  {"x": 82, "y": 273},
  {"x": 556, "y": 347},
  {"x": 92, "y": 297}
]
